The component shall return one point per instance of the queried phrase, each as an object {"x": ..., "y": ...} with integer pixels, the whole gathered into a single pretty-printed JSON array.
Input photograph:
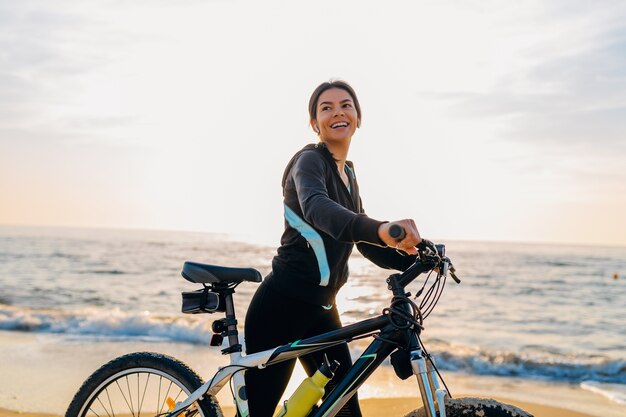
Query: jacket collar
[{"x": 323, "y": 149}]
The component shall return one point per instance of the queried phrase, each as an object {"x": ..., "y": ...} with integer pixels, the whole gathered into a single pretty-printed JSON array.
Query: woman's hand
[{"x": 410, "y": 240}]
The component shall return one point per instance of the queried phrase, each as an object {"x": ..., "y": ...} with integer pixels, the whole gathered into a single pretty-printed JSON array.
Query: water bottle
[{"x": 310, "y": 391}]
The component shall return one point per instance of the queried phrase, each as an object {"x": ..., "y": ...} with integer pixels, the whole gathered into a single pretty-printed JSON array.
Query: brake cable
[
  {"x": 433, "y": 365},
  {"x": 406, "y": 319},
  {"x": 430, "y": 301}
]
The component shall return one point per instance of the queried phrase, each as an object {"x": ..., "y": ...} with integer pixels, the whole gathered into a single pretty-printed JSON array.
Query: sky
[{"x": 482, "y": 120}]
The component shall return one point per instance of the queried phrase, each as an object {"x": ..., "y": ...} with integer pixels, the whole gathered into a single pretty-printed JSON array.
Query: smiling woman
[
  {"x": 324, "y": 219},
  {"x": 335, "y": 115}
]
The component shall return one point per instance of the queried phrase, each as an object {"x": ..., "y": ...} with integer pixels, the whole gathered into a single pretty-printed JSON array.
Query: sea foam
[
  {"x": 614, "y": 392},
  {"x": 113, "y": 324}
]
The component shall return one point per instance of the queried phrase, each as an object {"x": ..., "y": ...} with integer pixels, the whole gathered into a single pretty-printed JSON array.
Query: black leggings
[{"x": 273, "y": 320}]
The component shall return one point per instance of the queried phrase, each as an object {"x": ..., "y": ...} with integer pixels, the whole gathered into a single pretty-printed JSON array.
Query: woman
[{"x": 324, "y": 218}]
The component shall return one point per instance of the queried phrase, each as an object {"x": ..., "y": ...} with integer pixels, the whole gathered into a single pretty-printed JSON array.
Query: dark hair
[{"x": 327, "y": 86}]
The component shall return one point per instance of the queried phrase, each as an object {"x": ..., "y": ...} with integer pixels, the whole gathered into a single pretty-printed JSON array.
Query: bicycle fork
[{"x": 432, "y": 395}]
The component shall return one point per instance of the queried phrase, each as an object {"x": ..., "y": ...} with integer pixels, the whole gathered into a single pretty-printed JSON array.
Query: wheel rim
[{"x": 134, "y": 392}]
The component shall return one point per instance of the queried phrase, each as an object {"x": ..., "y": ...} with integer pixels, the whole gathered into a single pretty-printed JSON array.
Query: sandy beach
[
  {"x": 379, "y": 407},
  {"x": 384, "y": 407},
  {"x": 53, "y": 368}
]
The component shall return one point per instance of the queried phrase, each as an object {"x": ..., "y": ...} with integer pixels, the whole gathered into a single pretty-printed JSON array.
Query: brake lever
[
  {"x": 427, "y": 244},
  {"x": 453, "y": 275}
]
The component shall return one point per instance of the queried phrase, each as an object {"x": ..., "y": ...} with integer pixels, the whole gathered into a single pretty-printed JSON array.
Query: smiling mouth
[{"x": 338, "y": 125}]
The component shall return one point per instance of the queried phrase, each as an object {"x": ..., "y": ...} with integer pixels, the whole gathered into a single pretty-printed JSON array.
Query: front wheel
[
  {"x": 139, "y": 384},
  {"x": 470, "y": 407}
]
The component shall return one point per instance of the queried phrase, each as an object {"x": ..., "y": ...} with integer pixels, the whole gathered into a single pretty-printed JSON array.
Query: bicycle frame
[{"x": 387, "y": 338}]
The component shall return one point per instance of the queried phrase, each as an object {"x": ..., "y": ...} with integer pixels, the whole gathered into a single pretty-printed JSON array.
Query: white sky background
[{"x": 498, "y": 120}]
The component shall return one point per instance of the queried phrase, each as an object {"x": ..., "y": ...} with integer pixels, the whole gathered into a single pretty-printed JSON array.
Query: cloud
[
  {"x": 568, "y": 91},
  {"x": 36, "y": 42},
  {"x": 50, "y": 58}
]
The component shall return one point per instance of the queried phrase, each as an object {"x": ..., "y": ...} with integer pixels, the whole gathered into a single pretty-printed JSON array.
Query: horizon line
[{"x": 234, "y": 236}]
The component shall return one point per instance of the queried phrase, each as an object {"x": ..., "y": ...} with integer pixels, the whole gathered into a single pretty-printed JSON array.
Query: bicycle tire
[
  {"x": 110, "y": 387},
  {"x": 468, "y": 407}
]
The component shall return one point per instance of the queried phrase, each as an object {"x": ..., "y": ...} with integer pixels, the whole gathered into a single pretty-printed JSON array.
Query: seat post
[{"x": 231, "y": 322}]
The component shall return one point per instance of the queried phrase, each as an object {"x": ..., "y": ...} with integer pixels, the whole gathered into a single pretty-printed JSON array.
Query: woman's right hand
[{"x": 407, "y": 244}]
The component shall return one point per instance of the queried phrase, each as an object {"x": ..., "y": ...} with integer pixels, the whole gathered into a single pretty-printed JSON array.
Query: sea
[{"x": 546, "y": 312}]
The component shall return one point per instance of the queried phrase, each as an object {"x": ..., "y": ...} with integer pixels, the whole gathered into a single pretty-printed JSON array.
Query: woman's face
[{"x": 337, "y": 118}]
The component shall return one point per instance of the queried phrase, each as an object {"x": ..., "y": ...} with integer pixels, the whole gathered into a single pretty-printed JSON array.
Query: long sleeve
[
  {"x": 383, "y": 256},
  {"x": 386, "y": 257},
  {"x": 309, "y": 178}
]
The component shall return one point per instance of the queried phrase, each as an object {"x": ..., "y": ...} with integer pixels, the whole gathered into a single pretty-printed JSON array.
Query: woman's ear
[
  {"x": 358, "y": 123},
  {"x": 314, "y": 126}
]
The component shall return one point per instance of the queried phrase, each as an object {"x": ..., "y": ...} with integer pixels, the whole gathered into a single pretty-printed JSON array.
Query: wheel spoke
[
  {"x": 138, "y": 408},
  {"x": 144, "y": 392},
  {"x": 165, "y": 398},
  {"x": 109, "y": 398},
  {"x": 130, "y": 396},
  {"x": 122, "y": 392},
  {"x": 105, "y": 409},
  {"x": 179, "y": 392},
  {"x": 93, "y": 411},
  {"x": 159, "y": 397}
]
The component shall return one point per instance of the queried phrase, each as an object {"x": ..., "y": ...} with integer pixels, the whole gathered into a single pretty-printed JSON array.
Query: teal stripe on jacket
[{"x": 314, "y": 239}]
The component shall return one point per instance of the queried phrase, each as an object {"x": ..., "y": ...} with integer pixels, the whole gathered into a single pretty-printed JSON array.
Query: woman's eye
[
  {"x": 325, "y": 108},
  {"x": 347, "y": 105}
]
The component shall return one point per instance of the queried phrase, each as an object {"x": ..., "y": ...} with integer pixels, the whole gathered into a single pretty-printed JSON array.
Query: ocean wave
[
  {"x": 114, "y": 324},
  {"x": 104, "y": 271},
  {"x": 532, "y": 363},
  {"x": 57, "y": 254}
]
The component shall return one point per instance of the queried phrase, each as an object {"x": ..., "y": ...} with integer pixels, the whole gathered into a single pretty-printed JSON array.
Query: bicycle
[{"x": 169, "y": 388}]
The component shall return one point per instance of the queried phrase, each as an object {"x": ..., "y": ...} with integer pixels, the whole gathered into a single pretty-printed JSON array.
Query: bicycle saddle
[{"x": 213, "y": 274}]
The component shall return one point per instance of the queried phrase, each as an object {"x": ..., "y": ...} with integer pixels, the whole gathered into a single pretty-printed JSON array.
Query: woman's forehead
[{"x": 333, "y": 95}]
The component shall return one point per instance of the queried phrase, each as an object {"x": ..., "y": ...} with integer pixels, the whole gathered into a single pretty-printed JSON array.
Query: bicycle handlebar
[
  {"x": 414, "y": 270},
  {"x": 431, "y": 256}
]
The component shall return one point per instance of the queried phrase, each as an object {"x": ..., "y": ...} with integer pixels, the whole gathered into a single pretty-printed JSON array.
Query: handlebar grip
[{"x": 396, "y": 231}]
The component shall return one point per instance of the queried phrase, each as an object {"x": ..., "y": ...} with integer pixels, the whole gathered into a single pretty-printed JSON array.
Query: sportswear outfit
[{"x": 323, "y": 221}]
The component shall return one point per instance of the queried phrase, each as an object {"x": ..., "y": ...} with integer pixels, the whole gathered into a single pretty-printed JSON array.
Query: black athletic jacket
[{"x": 323, "y": 221}]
